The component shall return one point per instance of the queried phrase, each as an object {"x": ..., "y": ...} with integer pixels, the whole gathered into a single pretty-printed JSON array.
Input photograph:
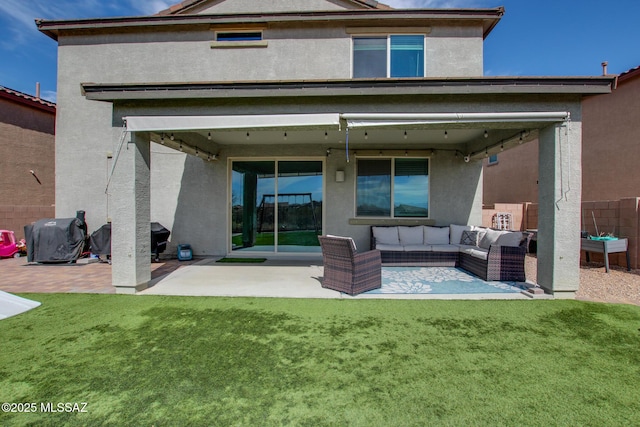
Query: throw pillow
[
  {"x": 512, "y": 238},
  {"x": 490, "y": 238},
  {"x": 456, "y": 232},
  {"x": 469, "y": 238}
]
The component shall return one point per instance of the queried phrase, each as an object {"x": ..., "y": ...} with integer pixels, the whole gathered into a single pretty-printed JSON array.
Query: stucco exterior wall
[
  {"x": 88, "y": 135},
  {"x": 610, "y": 154},
  {"x": 514, "y": 179},
  {"x": 190, "y": 195},
  {"x": 26, "y": 144},
  {"x": 612, "y": 143}
]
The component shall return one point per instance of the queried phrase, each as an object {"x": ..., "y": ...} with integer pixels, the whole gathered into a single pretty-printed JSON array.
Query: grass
[
  {"x": 298, "y": 238},
  {"x": 152, "y": 360}
]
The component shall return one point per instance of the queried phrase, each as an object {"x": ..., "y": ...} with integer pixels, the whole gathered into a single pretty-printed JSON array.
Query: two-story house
[{"x": 249, "y": 127}]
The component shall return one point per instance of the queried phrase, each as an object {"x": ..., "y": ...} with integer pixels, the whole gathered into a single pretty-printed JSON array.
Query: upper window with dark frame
[
  {"x": 238, "y": 36},
  {"x": 389, "y": 56},
  {"x": 392, "y": 187}
]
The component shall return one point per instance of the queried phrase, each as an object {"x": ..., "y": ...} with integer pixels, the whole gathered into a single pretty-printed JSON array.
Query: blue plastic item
[{"x": 185, "y": 253}]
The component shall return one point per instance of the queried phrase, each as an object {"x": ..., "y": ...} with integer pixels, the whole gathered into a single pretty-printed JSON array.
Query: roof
[
  {"x": 629, "y": 74},
  {"x": 25, "y": 99},
  {"x": 183, "y": 6},
  {"x": 350, "y": 87},
  {"x": 391, "y": 17}
]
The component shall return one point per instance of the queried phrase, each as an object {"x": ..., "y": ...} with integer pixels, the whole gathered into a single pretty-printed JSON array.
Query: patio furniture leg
[
  {"x": 628, "y": 261},
  {"x": 606, "y": 258}
]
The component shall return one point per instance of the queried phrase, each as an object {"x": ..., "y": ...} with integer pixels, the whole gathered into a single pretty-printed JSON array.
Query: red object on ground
[{"x": 8, "y": 246}]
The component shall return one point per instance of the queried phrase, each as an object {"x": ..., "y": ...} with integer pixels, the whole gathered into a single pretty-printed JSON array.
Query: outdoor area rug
[{"x": 439, "y": 280}]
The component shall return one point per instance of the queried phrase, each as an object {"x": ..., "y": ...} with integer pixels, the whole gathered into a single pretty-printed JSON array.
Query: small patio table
[{"x": 606, "y": 247}]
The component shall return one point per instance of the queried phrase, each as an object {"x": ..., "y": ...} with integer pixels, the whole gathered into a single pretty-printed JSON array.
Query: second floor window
[
  {"x": 388, "y": 56},
  {"x": 237, "y": 36}
]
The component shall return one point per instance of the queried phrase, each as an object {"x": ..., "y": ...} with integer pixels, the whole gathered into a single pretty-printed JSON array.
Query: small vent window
[{"x": 239, "y": 36}]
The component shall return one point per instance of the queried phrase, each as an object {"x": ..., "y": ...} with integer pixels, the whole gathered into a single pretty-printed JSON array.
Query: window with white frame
[
  {"x": 397, "y": 55},
  {"x": 392, "y": 187}
]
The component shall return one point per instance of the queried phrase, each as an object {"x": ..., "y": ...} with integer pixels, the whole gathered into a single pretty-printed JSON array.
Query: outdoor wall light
[
  {"x": 248, "y": 136},
  {"x": 405, "y": 134},
  {"x": 467, "y": 159},
  {"x": 340, "y": 176},
  {"x": 486, "y": 134},
  {"x": 446, "y": 134},
  {"x": 209, "y": 136},
  {"x": 285, "y": 136},
  {"x": 162, "y": 139},
  {"x": 366, "y": 135},
  {"x": 326, "y": 135},
  {"x": 171, "y": 137}
]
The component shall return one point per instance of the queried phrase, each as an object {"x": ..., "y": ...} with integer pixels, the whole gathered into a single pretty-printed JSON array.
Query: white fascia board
[
  {"x": 358, "y": 120},
  {"x": 239, "y": 122}
]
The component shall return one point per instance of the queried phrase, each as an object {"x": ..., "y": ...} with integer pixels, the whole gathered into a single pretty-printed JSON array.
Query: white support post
[
  {"x": 560, "y": 188},
  {"x": 131, "y": 229}
]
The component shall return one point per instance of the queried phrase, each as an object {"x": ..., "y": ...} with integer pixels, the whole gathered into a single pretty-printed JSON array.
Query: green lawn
[
  {"x": 299, "y": 238},
  {"x": 147, "y": 360}
]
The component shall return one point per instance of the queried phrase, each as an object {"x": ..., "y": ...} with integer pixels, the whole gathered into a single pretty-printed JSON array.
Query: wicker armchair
[{"x": 347, "y": 271}]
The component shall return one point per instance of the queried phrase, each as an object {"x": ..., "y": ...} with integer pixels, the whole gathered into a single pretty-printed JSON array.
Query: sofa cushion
[
  {"x": 436, "y": 235},
  {"x": 445, "y": 248},
  {"x": 511, "y": 238},
  {"x": 417, "y": 248},
  {"x": 383, "y": 247},
  {"x": 410, "y": 235},
  {"x": 455, "y": 232},
  {"x": 475, "y": 252},
  {"x": 490, "y": 238},
  {"x": 386, "y": 235},
  {"x": 471, "y": 238}
]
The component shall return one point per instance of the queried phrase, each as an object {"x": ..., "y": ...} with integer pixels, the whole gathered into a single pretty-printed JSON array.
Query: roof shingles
[
  {"x": 24, "y": 98},
  {"x": 179, "y": 7}
]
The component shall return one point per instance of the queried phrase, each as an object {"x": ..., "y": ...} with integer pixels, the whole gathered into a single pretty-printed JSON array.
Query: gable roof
[
  {"x": 629, "y": 74},
  {"x": 184, "y": 6},
  {"x": 25, "y": 99}
]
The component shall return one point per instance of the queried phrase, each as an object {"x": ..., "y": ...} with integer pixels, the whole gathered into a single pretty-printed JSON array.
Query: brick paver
[{"x": 17, "y": 276}]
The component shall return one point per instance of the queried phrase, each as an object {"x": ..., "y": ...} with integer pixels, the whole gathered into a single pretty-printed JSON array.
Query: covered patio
[{"x": 455, "y": 123}]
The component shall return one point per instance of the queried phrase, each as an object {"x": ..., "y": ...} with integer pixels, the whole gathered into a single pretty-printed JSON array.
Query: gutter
[{"x": 380, "y": 17}]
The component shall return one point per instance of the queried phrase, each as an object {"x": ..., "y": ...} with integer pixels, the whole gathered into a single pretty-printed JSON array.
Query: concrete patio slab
[{"x": 273, "y": 278}]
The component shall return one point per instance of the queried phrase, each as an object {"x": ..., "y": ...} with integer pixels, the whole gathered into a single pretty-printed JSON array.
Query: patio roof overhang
[
  {"x": 113, "y": 92},
  {"x": 471, "y": 134}
]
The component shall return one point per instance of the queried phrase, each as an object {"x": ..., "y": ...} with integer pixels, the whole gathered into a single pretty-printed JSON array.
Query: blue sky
[{"x": 534, "y": 38}]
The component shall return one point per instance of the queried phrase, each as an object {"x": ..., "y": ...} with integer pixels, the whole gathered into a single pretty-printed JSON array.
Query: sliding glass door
[{"x": 276, "y": 206}]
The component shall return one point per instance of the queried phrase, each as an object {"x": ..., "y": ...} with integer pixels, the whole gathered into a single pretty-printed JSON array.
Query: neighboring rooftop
[
  {"x": 29, "y": 100},
  {"x": 629, "y": 74},
  {"x": 184, "y": 6}
]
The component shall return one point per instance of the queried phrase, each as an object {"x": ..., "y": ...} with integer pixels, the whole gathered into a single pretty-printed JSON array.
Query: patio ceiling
[{"x": 473, "y": 135}]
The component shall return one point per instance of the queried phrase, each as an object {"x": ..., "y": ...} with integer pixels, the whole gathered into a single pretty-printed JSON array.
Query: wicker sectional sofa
[{"x": 487, "y": 253}]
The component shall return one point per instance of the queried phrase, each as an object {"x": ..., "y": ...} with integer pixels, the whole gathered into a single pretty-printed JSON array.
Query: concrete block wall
[
  {"x": 618, "y": 217},
  {"x": 517, "y": 211},
  {"x": 14, "y": 218}
]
